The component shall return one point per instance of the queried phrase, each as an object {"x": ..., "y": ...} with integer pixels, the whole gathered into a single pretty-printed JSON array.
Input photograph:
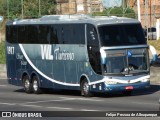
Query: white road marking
[
  {"x": 146, "y": 103},
  {"x": 85, "y": 99},
  {"x": 49, "y": 101},
  {"x": 62, "y": 99},
  {"x": 7, "y": 103},
  {"x": 43, "y": 101},
  {"x": 37, "y": 106},
  {"x": 59, "y": 108},
  {"x": 88, "y": 110},
  {"x": 3, "y": 85},
  {"x": 30, "y": 105}
]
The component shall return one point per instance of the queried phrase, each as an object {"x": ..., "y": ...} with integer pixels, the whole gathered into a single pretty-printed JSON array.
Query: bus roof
[{"x": 76, "y": 18}]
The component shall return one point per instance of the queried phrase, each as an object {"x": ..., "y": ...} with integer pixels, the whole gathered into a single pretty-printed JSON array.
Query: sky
[{"x": 111, "y": 3}]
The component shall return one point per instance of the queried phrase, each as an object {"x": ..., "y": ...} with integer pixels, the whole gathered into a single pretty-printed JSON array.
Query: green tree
[
  {"x": 3, "y": 8},
  {"x": 48, "y": 7},
  {"x": 30, "y": 8},
  {"x": 37, "y": 8},
  {"x": 14, "y": 8},
  {"x": 130, "y": 13},
  {"x": 117, "y": 11}
]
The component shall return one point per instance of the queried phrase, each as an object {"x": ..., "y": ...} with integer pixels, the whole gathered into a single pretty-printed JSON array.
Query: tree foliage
[
  {"x": 46, "y": 7},
  {"x": 117, "y": 11},
  {"x": 31, "y": 8}
]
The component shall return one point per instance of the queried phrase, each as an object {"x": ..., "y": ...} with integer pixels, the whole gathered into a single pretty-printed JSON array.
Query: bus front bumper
[
  {"x": 127, "y": 87},
  {"x": 103, "y": 87}
]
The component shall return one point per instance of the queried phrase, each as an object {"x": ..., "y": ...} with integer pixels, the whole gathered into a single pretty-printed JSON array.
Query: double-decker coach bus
[{"x": 77, "y": 52}]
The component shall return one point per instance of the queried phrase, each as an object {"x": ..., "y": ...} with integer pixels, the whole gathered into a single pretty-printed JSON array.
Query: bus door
[{"x": 93, "y": 49}]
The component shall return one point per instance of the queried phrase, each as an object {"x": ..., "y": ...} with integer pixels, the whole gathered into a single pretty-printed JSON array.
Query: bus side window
[
  {"x": 79, "y": 34},
  {"x": 32, "y": 34},
  {"x": 92, "y": 38},
  {"x": 43, "y": 34},
  {"x": 67, "y": 33},
  {"x": 58, "y": 31},
  {"x": 12, "y": 34},
  {"x": 54, "y": 37},
  {"x": 8, "y": 34},
  {"x": 73, "y": 34},
  {"x": 22, "y": 38}
]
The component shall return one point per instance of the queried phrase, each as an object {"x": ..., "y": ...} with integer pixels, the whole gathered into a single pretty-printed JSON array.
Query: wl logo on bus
[{"x": 46, "y": 52}]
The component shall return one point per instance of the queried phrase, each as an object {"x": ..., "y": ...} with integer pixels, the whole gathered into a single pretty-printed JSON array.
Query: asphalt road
[{"x": 13, "y": 98}]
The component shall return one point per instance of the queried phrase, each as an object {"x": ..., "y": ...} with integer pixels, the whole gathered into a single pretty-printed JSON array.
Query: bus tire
[
  {"x": 27, "y": 85},
  {"x": 85, "y": 91},
  {"x": 36, "y": 86}
]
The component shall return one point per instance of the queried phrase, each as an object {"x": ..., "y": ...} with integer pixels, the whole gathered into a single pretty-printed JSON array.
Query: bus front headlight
[
  {"x": 109, "y": 82},
  {"x": 145, "y": 80}
]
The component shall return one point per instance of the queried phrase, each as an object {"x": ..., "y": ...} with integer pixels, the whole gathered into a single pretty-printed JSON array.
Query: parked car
[
  {"x": 152, "y": 34},
  {"x": 145, "y": 33}
]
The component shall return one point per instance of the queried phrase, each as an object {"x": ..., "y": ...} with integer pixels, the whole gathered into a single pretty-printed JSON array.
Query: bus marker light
[
  {"x": 94, "y": 86},
  {"x": 129, "y": 88}
]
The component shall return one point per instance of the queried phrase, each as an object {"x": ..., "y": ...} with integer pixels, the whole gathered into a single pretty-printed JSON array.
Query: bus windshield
[
  {"x": 126, "y": 61},
  {"x": 123, "y": 34}
]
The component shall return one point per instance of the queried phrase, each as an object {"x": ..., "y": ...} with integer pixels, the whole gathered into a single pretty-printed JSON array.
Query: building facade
[
  {"x": 149, "y": 9},
  {"x": 79, "y": 6}
]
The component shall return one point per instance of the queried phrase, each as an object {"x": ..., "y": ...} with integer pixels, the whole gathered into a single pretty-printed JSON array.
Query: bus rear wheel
[
  {"x": 35, "y": 85},
  {"x": 85, "y": 91},
  {"x": 27, "y": 84}
]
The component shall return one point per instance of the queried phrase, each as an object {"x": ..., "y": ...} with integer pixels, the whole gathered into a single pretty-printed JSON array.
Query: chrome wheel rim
[
  {"x": 35, "y": 85},
  {"x": 85, "y": 88},
  {"x": 27, "y": 84}
]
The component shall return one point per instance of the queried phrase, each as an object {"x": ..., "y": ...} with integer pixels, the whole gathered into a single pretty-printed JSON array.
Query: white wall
[{"x": 158, "y": 28}]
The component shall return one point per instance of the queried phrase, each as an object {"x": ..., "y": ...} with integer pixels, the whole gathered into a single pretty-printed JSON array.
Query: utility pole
[
  {"x": 124, "y": 7},
  {"x": 150, "y": 14},
  {"x": 39, "y": 2},
  {"x": 8, "y": 9},
  {"x": 139, "y": 10},
  {"x": 146, "y": 21},
  {"x": 75, "y": 6},
  {"x": 22, "y": 7}
]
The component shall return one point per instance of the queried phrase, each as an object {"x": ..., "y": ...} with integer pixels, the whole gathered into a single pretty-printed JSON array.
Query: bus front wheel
[
  {"x": 36, "y": 87},
  {"x": 85, "y": 91},
  {"x": 27, "y": 84}
]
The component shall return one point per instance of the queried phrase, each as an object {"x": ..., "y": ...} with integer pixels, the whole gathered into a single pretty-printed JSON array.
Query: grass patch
[{"x": 2, "y": 53}]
